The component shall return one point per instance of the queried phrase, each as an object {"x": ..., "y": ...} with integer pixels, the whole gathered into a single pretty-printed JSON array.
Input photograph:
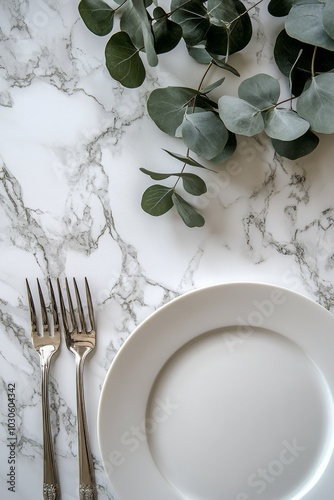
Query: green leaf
[
  {"x": 192, "y": 17},
  {"x": 240, "y": 116},
  {"x": 167, "y": 34},
  {"x": 213, "y": 86},
  {"x": 228, "y": 150},
  {"x": 167, "y": 106},
  {"x": 123, "y": 61},
  {"x": 284, "y": 124},
  {"x": 316, "y": 104},
  {"x": 294, "y": 59},
  {"x": 329, "y": 18},
  {"x": 97, "y": 16},
  {"x": 262, "y": 91},
  {"x": 232, "y": 39},
  {"x": 193, "y": 184},
  {"x": 157, "y": 200},
  {"x": 220, "y": 62},
  {"x": 204, "y": 133},
  {"x": 157, "y": 176},
  {"x": 131, "y": 23},
  {"x": 199, "y": 54},
  {"x": 151, "y": 55},
  {"x": 188, "y": 214},
  {"x": 279, "y": 8},
  {"x": 302, "y": 146},
  {"x": 222, "y": 13},
  {"x": 186, "y": 159},
  {"x": 305, "y": 22}
]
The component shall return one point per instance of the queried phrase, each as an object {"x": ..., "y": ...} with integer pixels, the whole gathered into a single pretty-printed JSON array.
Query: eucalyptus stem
[
  {"x": 205, "y": 74},
  {"x": 313, "y": 61},
  {"x": 278, "y": 103},
  {"x": 193, "y": 107},
  {"x": 120, "y": 5},
  {"x": 246, "y": 11},
  {"x": 252, "y": 7}
]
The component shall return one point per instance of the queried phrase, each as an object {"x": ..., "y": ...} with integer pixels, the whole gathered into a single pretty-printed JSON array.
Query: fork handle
[
  {"x": 50, "y": 476},
  {"x": 87, "y": 485}
]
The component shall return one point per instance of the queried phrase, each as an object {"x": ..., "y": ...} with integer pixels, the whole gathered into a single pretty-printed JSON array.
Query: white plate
[{"x": 225, "y": 393}]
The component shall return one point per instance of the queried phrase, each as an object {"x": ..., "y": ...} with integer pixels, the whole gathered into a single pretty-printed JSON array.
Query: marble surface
[{"x": 71, "y": 145}]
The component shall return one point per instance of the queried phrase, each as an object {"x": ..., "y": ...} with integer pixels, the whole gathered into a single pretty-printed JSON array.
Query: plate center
[{"x": 243, "y": 416}]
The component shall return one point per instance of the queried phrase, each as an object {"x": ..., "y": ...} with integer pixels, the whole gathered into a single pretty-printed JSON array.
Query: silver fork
[
  {"x": 80, "y": 341},
  {"x": 46, "y": 345}
]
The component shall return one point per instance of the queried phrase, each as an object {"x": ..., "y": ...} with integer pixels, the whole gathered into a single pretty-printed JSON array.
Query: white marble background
[{"x": 71, "y": 144}]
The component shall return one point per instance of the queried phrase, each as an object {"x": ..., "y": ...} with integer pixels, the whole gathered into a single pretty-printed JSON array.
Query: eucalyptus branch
[{"x": 209, "y": 129}]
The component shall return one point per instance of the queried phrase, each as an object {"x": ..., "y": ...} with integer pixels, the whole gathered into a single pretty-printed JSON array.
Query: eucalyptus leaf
[
  {"x": 157, "y": 176},
  {"x": 316, "y": 104},
  {"x": 226, "y": 40},
  {"x": 228, "y": 150},
  {"x": 188, "y": 214},
  {"x": 199, "y": 53},
  {"x": 222, "y": 13},
  {"x": 204, "y": 133},
  {"x": 192, "y": 183},
  {"x": 280, "y": 8},
  {"x": 193, "y": 19},
  {"x": 186, "y": 159},
  {"x": 167, "y": 34},
  {"x": 298, "y": 148},
  {"x": 305, "y": 22},
  {"x": 148, "y": 37},
  {"x": 123, "y": 61},
  {"x": 240, "y": 116},
  {"x": 329, "y": 18},
  {"x": 131, "y": 23},
  {"x": 97, "y": 15},
  {"x": 284, "y": 124},
  {"x": 218, "y": 61},
  {"x": 167, "y": 106},
  {"x": 157, "y": 200},
  {"x": 213, "y": 86},
  {"x": 262, "y": 91},
  {"x": 294, "y": 59}
]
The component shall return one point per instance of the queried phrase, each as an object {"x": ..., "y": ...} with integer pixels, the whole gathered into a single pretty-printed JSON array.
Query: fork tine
[
  {"x": 33, "y": 317},
  {"x": 70, "y": 306},
  {"x": 90, "y": 306},
  {"x": 54, "y": 310},
  {"x": 62, "y": 308},
  {"x": 45, "y": 321},
  {"x": 80, "y": 309}
]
